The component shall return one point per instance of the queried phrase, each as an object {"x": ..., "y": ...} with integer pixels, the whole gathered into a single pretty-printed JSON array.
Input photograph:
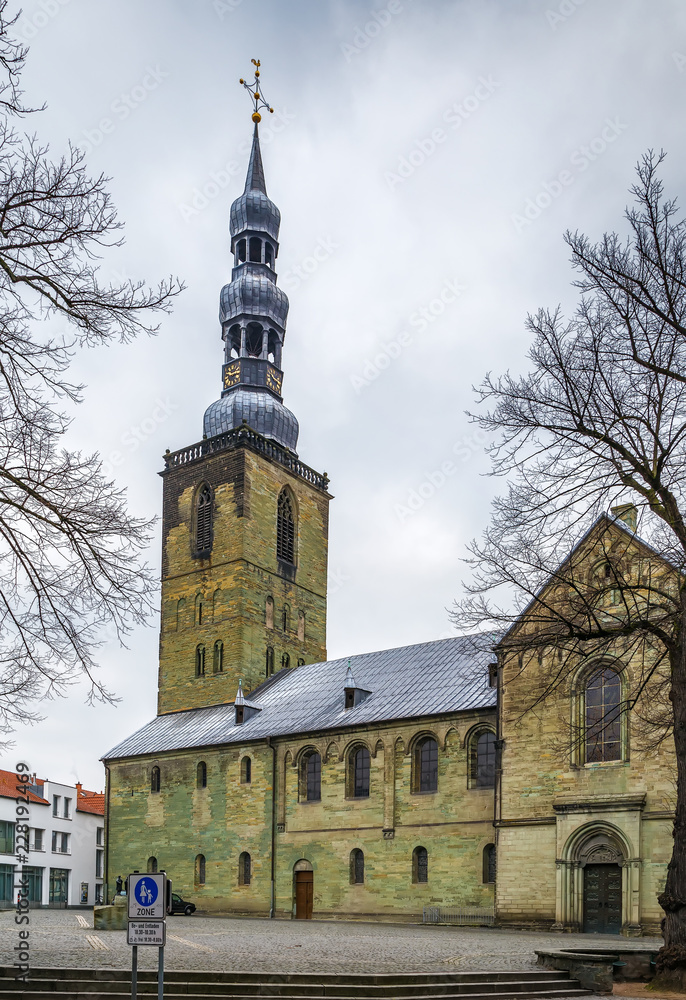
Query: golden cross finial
[{"x": 255, "y": 91}]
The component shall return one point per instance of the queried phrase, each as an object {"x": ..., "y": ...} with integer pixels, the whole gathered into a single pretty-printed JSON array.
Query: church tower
[{"x": 245, "y": 522}]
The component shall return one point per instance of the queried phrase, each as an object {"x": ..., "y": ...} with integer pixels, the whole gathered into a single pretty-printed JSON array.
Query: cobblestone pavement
[{"x": 59, "y": 939}]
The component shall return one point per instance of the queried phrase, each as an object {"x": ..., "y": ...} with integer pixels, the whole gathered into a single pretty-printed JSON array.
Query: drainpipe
[
  {"x": 107, "y": 836},
  {"x": 272, "y": 895}
]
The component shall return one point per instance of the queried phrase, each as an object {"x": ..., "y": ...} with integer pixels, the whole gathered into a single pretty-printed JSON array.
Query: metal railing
[
  {"x": 246, "y": 436},
  {"x": 481, "y": 916}
]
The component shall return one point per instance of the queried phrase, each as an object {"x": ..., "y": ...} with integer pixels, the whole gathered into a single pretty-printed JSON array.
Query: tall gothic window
[
  {"x": 356, "y": 867},
  {"x": 285, "y": 528},
  {"x": 603, "y": 716},
  {"x": 200, "y": 869},
  {"x": 485, "y": 760},
  {"x": 489, "y": 864},
  {"x": 420, "y": 865},
  {"x": 359, "y": 761},
  {"x": 311, "y": 777},
  {"x": 203, "y": 520},
  {"x": 244, "y": 868}
]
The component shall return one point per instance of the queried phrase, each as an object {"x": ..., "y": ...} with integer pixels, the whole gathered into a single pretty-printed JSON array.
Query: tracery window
[
  {"x": 203, "y": 520},
  {"x": 244, "y": 868},
  {"x": 603, "y": 722},
  {"x": 426, "y": 765},
  {"x": 356, "y": 867},
  {"x": 420, "y": 865},
  {"x": 155, "y": 779},
  {"x": 285, "y": 528}
]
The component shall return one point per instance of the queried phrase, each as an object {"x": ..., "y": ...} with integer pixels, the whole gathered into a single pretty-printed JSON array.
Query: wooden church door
[
  {"x": 304, "y": 888},
  {"x": 602, "y": 899}
]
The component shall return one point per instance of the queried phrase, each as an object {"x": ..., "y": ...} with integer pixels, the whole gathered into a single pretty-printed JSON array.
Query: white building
[{"x": 66, "y": 857}]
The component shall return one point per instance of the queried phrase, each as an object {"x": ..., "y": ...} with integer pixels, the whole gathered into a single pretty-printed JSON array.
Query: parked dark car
[{"x": 182, "y": 905}]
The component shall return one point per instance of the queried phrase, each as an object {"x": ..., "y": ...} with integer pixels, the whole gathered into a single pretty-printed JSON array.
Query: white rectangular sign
[
  {"x": 146, "y": 895},
  {"x": 146, "y": 932}
]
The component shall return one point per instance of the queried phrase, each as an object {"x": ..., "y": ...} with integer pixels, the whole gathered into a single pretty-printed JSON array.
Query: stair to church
[{"x": 115, "y": 984}]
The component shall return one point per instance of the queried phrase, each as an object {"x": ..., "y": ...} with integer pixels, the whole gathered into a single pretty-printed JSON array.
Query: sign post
[{"x": 148, "y": 896}]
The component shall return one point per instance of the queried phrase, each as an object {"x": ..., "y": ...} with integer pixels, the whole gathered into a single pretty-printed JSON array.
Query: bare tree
[
  {"x": 69, "y": 551},
  {"x": 601, "y": 420}
]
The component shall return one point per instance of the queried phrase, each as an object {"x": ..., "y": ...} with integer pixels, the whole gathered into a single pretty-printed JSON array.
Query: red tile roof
[
  {"x": 9, "y": 785},
  {"x": 89, "y": 802}
]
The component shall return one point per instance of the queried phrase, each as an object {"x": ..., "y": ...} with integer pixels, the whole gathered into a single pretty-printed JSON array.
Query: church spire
[{"x": 253, "y": 311}]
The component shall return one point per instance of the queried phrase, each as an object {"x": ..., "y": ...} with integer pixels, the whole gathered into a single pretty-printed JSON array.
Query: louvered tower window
[
  {"x": 285, "y": 529},
  {"x": 203, "y": 524}
]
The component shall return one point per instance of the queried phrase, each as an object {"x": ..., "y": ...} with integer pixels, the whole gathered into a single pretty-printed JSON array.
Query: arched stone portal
[{"x": 598, "y": 882}]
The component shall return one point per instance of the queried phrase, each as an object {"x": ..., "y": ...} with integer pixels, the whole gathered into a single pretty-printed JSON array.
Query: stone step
[
  {"x": 569, "y": 991},
  {"x": 407, "y": 991},
  {"x": 172, "y": 976}
]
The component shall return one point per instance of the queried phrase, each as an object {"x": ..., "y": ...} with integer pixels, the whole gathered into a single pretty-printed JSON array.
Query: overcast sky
[{"x": 427, "y": 156}]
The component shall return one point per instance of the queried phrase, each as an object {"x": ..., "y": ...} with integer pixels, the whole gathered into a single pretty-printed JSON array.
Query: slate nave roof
[{"x": 430, "y": 678}]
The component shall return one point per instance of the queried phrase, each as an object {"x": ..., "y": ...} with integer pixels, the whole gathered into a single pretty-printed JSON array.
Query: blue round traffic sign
[{"x": 145, "y": 891}]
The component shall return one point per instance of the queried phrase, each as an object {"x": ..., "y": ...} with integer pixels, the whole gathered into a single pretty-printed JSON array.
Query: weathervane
[{"x": 255, "y": 91}]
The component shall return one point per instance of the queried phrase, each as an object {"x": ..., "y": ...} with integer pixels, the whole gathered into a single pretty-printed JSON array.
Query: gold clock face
[
  {"x": 232, "y": 374},
  {"x": 274, "y": 379}
]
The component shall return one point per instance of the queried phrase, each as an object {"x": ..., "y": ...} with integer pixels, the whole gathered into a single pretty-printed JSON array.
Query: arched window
[
  {"x": 203, "y": 520},
  {"x": 356, "y": 867},
  {"x": 201, "y": 775},
  {"x": 485, "y": 760},
  {"x": 269, "y": 612},
  {"x": 244, "y": 868},
  {"x": 603, "y": 723},
  {"x": 426, "y": 765},
  {"x": 301, "y": 626},
  {"x": 488, "y": 864},
  {"x": 152, "y": 866},
  {"x": 241, "y": 251},
  {"x": 286, "y": 618},
  {"x": 255, "y": 249},
  {"x": 285, "y": 528},
  {"x": 269, "y": 255},
  {"x": 199, "y": 609},
  {"x": 246, "y": 771},
  {"x": 181, "y": 613},
  {"x": 359, "y": 773},
  {"x": 285, "y": 661},
  {"x": 155, "y": 779},
  {"x": 200, "y": 869},
  {"x": 218, "y": 658},
  {"x": 420, "y": 865},
  {"x": 301, "y": 662},
  {"x": 200, "y": 661},
  {"x": 311, "y": 777},
  {"x": 269, "y": 661}
]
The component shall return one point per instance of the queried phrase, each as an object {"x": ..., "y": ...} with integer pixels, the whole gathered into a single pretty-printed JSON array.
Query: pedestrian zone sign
[
  {"x": 147, "y": 897},
  {"x": 151, "y": 932}
]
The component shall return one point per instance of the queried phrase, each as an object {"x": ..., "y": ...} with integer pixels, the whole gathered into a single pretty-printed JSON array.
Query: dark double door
[
  {"x": 304, "y": 889},
  {"x": 602, "y": 899}
]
